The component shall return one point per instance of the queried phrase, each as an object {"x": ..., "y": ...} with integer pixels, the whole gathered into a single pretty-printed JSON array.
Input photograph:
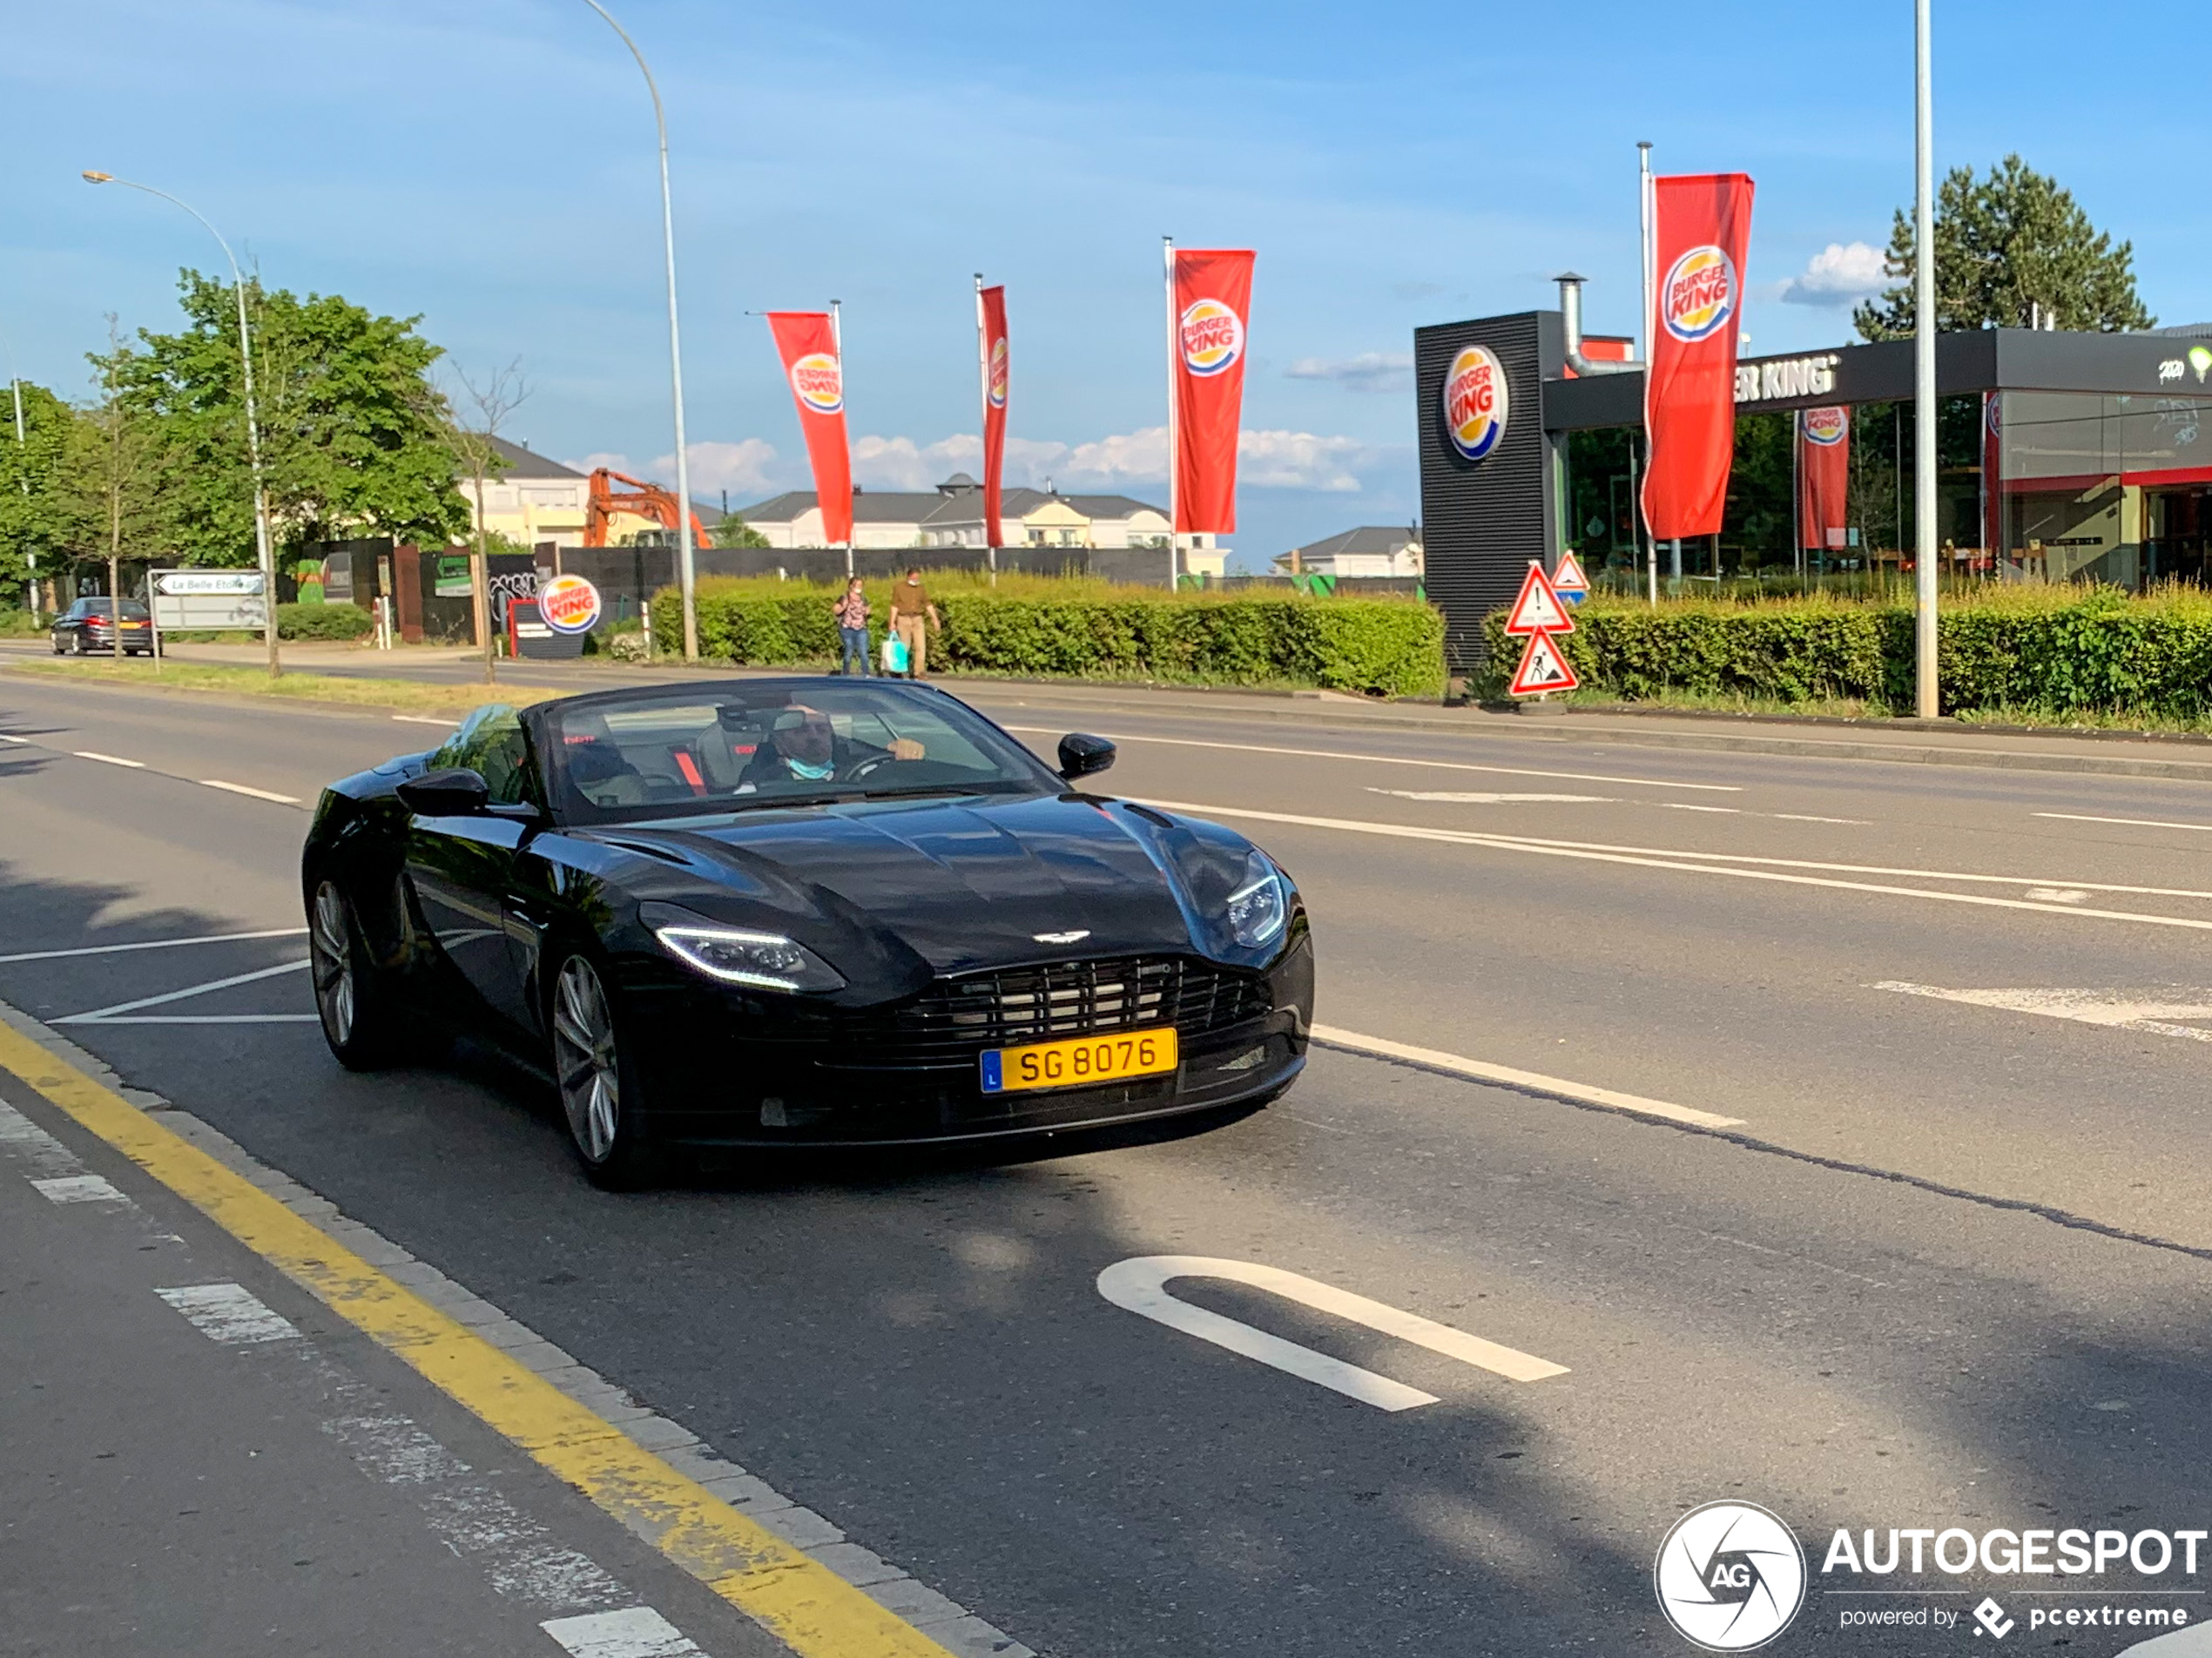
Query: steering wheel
[{"x": 874, "y": 763}]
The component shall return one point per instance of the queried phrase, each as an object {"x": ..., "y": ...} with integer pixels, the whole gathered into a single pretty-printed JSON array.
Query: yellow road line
[{"x": 799, "y": 1600}]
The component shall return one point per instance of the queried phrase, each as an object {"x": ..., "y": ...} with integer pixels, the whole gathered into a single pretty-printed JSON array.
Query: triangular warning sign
[
  {"x": 1538, "y": 610},
  {"x": 1567, "y": 581},
  {"x": 1543, "y": 668}
]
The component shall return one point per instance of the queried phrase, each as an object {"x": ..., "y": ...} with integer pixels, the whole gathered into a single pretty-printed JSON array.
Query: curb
[{"x": 791, "y": 1570}]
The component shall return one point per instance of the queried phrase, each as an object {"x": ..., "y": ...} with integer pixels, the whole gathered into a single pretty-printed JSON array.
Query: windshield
[
  {"x": 132, "y": 610},
  {"x": 769, "y": 743}
]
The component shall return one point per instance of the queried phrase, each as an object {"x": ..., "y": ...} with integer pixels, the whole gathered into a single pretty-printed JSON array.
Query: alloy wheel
[
  {"x": 585, "y": 1060},
  {"x": 331, "y": 962}
]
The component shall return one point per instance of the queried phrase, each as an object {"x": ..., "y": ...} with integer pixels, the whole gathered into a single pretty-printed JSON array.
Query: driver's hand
[{"x": 905, "y": 748}]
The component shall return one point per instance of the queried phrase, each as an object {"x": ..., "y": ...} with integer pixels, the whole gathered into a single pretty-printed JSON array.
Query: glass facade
[{"x": 2031, "y": 487}]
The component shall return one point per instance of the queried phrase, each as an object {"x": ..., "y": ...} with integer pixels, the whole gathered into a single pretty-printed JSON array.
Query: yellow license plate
[{"x": 1080, "y": 1061}]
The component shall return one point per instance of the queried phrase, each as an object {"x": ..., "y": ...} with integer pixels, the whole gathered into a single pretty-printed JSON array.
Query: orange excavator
[{"x": 640, "y": 500}]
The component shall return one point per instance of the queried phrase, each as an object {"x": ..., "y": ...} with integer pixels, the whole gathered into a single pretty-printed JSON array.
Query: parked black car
[
  {"x": 802, "y": 912},
  {"x": 90, "y": 625}
]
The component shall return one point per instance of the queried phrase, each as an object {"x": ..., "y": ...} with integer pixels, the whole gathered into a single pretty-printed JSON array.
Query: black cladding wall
[{"x": 1482, "y": 522}]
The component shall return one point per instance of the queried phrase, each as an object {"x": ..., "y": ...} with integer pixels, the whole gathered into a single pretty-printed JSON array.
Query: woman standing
[{"x": 851, "y": 614}]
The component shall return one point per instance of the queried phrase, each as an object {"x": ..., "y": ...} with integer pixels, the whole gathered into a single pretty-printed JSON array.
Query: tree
[
  {"x": 39, "y": 515},
  {"x": 473, "y": 441},
  {"x": 2009, "y": 247},
  {"x": 730, "y": 530},
  {"x": 352, "y": 433},
  {"x": 111, "y": 469}
]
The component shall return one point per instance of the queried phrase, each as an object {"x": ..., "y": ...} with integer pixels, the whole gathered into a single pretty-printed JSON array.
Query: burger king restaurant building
[{"x": 2061, "y": 456}]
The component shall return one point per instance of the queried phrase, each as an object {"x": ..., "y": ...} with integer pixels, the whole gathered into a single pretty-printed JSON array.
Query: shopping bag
[{"x": 894, "y": 655}]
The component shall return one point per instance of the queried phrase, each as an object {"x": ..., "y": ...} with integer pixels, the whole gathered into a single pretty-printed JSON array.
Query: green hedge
[
  {"x": 1391, "y": 647},
  {"x": 324, "y": 622},
  {"x": 2058, "y": 650}
]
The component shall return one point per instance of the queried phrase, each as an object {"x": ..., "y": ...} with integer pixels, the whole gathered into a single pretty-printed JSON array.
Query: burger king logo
[
  {"x": 1213, "y": 337},
  {"x": 1698, "y": 297},
  {"x": 998, "y": 372},
  {"x": 1474, "y": 402},
  {"x": 569, "y": 604},
  {"x": 818, "y": 382},
  {"x": 1825, "y": 426}
]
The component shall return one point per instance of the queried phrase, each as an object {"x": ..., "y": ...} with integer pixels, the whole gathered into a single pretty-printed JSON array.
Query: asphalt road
[{"x": 1948, "y": 1263}]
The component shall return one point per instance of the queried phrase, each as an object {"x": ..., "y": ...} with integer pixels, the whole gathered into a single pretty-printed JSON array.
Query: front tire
[
  {"x": 354, "y": 996},
  {"x": 601, "y": 1098}
]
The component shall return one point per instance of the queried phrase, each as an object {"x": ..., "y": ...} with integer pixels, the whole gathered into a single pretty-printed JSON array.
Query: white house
[
  {"x": 1371, "y": 549},
  {"x": 952, "y": 515}
]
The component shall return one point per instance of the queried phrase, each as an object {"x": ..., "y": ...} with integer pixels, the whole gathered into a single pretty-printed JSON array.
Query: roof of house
[
  {"x": 958, "y": 500},
  {"x": 1367, "y": 538},
  {"x": 526, "y": 463}
]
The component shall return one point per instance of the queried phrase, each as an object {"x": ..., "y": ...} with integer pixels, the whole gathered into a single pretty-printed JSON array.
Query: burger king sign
[
  {"x": 1213, "y": 337},
  {"x": 998, "y": 373},
  {"x": 569, "y": 604},
  {"x": 818, "y": 381},
  {"x": 1698, "y": 296},
  {"x": 1474, "y": 402}
]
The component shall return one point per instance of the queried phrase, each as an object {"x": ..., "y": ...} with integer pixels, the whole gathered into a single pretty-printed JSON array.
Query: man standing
[{"x": 912, "y": 617}]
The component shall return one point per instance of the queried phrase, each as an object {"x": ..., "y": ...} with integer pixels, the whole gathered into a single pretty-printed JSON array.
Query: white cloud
[
  {"x": 1298, "y": 461},
  {"x": 900, "y": 463},
  {"x": 1838, "y": 274},
  {"x": 1371, "y": 371}
]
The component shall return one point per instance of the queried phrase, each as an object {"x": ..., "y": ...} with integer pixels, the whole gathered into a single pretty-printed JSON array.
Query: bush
[
  {"x": 1042, "y": 627},
  {"x": 324, "y": 622},
  {"x": 2055, "y": 651}
]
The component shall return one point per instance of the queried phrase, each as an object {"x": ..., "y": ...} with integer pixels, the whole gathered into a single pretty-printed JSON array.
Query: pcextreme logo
[{"x": 1729, "y": 1576}]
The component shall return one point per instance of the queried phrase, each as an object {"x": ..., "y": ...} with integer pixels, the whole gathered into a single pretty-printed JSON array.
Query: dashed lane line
[
  {"x": 1393, "y": 759},
  {"x": 258, "y": 794},
  {"x": 108, "y": 759},
  {"x": 423, "y": 720},
  {"x": 800, "y": 1600},
  {"x": 2137, "y": 823},
  {"x": 1533, "y": 1082}
]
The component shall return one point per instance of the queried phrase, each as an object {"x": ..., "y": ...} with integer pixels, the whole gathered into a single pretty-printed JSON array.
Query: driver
[{"x": 805, "y": 748}]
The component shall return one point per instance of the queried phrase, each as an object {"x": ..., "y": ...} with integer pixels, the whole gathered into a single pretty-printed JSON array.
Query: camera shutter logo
[{"x": 1729, "y": 1576}]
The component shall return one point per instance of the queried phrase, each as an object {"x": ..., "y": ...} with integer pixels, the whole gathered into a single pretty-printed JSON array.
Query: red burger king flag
[
  {"x": 1701, "y": 224},
  {"x": 990, "y": 333},
  {"x": 816, "y": 371},
  {"x": 1823, "y": 475},
  {"x": 1210, "y": 294}
]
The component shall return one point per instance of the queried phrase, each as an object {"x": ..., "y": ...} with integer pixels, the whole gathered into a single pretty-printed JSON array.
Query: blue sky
[{"x": 490, "y": 166}]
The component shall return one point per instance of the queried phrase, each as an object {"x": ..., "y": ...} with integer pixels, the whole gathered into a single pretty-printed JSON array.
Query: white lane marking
[
  {"x": 1667, "y": 859},
  {"x": 100, "y": 1014},
  {"x": 2139, "y": 823},
  {"x": 2154, "y": 1010},
  {"x": 1482, "y": 1070},
  {"x": 79, "y": 1188},
  {"x": 1396, "y": 759},
  {"x": 1139, "y": 1285},
  {"x": 258, "y": 794},
  {"x": 2056, "y": 895},
  {"x": 1680, "y": 806},
  {"x": 229, "y": 1313},
  {"x": 194, "y": 1019},
  {"x": 46, "y": 1156},
  {"x": 108, "y": 759},
  {"x": 1807, "y": 817},
  {"x": 150, "y": 944},
  {"x": 639, "y": 1633},
  {"x": 20, "y": 742},
  {"x": 1481, "y": 799},
  {"x": 423, "y": 720}
]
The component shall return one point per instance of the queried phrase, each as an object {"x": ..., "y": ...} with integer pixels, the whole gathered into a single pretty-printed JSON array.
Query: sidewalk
[{"x": 1905, "y": 742}]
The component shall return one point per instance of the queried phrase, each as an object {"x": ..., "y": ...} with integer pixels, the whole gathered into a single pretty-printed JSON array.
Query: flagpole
[
  {"x": 983, "y": 388},
  {"x": 1167, "y": 251},
  {"x": 1643, "y": 253},
  {"x": 837, "y": 344},
  {"x": 1926, "y": 698}
]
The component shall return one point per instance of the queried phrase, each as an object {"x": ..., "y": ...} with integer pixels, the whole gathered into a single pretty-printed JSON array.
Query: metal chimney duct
[{"x": 1570, "y": 307}]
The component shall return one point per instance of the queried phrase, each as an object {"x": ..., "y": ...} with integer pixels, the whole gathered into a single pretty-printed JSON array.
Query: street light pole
[
  {"x": 686, "y": 571},
  {"x": 22, "y": 478},
  {"x": 1926, "y": 699},
  {"x": 253, "y": 419}
]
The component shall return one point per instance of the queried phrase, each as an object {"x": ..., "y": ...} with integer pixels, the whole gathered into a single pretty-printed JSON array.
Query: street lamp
[
  {"x": 685, "y": 573},
  {"x": 23, "y": 478},
  {"x": 253, "y": 420},
  {"x": 1926, "y": 691}
]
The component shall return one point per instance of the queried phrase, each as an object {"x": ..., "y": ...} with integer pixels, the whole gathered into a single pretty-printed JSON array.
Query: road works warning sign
[
  {"x": 1538, "y": 610},
  {"x": 1543, "y": 668}
]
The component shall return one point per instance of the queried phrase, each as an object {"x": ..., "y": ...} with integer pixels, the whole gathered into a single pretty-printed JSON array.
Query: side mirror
[
  {"x": 454, "y": 792},
  {"x": 1082, "y": 756}
]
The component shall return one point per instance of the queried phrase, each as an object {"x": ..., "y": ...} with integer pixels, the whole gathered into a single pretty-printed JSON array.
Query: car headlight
[
  {"x": 1259, "y": 908},
  {"x": 738, "y": 955}
]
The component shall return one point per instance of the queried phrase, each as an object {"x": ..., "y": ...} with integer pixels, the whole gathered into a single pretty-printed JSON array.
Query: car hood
[{"x": 963, "y": 883}]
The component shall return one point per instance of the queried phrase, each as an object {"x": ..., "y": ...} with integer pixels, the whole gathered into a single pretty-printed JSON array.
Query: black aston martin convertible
[{"x": 801, "y": 912}]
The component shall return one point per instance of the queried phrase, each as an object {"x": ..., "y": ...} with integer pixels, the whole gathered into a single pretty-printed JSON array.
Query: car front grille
[{"x": 956, "y": 1018}]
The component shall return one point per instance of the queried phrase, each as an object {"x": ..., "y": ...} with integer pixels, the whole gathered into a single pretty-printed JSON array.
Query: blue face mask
[{"x": 812, "y": 773}]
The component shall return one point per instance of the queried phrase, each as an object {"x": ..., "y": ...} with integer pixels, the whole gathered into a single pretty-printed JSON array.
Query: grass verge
[{"x": 408, "y": 695}]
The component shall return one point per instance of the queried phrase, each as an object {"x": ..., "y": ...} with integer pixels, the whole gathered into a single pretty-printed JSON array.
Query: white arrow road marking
[
  {"x": 2152, "y": 1010},
  {"x": 150, "y": 944},
  {"x": 99, "y": 1015},
  {"x": 1139, "y": 1284}
]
